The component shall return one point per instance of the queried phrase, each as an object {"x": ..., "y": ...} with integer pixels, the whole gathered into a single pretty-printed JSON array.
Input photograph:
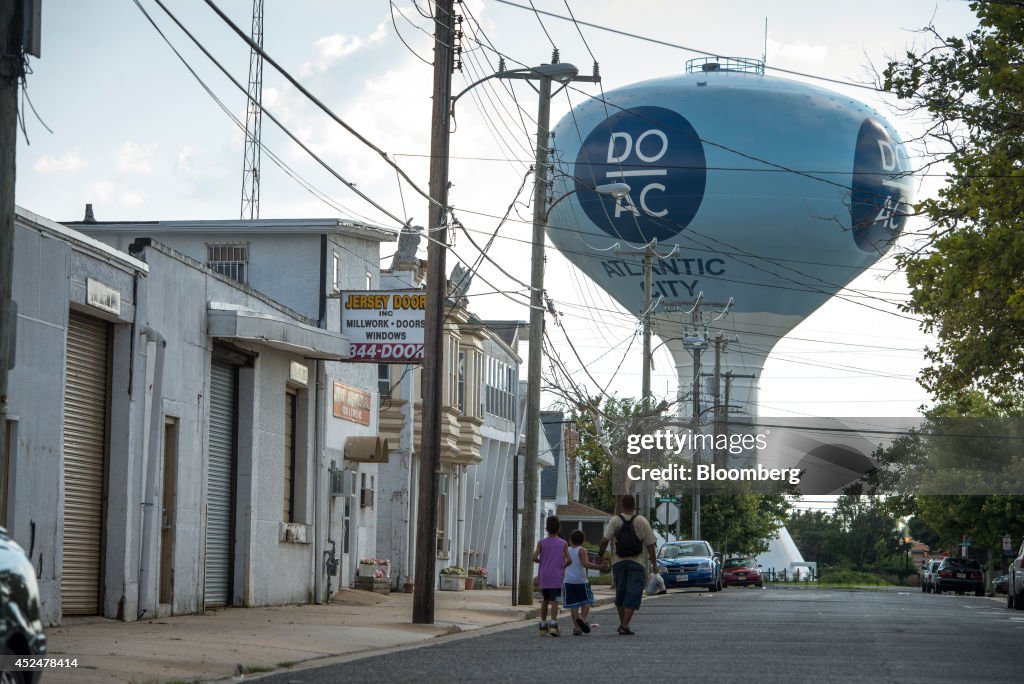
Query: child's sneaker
[
  {"x": 553, "y": 630},
  {"x": 543, "y": 629}
]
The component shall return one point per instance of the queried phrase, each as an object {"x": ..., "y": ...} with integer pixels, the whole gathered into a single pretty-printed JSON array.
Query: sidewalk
[{"x": 210, "y": 647}]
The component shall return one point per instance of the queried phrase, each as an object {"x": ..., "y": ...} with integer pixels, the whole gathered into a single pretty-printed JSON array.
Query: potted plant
[
  {"x": 453, "y": 578},
  {"x": 478, "y": 575},
  {"x": 375, "y": 567}
]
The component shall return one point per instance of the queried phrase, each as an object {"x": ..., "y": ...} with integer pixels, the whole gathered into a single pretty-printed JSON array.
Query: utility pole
[
  {"x": 433, "y": 356},
  {"x": 544, "y": 75},
  {"x": 695, "y": 426},
  {"x": 11, "y": 73},
  {"x": 648, "y": 252}
]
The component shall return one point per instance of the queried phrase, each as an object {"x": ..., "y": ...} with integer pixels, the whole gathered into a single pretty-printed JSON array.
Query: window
[
  {"x": 461, "y": 391},
  {"x": 289, "y": 456},
  {"x": 369, "y": 281},
  {"x": 336, "y": 272},
  {"x": 384, "y": 379},
  {"x": 230, "y": 259},
  {"x": 499, "y": 389},
  {"x": 366, "y": 493}
]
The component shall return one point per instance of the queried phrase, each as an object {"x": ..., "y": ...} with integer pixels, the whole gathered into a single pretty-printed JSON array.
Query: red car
[{"x": 741, "y": 572}]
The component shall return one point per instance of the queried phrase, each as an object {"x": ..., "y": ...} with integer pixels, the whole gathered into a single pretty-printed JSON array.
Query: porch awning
[{"x": 231, "y": 322}]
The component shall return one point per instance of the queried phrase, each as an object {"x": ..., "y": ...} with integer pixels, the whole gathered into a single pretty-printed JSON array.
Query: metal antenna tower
[{"x": 253, "y": 121}]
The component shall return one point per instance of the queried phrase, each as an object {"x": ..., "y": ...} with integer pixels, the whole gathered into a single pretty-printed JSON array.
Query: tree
[
  {"x": 742, "y": 523},
  {"x": 966, "y": 282},
  {"x": 620, "y": 418}
]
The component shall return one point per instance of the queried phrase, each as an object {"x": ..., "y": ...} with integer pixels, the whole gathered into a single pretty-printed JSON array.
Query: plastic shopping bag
[{"x": 655, "y": 585}]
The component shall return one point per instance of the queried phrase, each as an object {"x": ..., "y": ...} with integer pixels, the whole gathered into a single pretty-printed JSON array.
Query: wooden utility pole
[
  {"x": 11, "y": 66},
  {"x": 433, "y": 356}
]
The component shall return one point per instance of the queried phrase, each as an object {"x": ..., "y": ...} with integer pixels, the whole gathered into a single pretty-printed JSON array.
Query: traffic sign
[
  {"x": 668, "y": 513},
  {"x": 669, "y": 499}
]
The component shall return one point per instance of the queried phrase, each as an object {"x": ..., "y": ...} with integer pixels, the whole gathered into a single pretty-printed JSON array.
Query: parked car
[
  {"x": 741, "y": 572},
  {"x": 1015, "y": 584},
  {"x": 999, "y": 584},
  {"x": 928, "y": 575},
  {"x": 959, "y": 575},
  {"x": 690, "y": 564},
  {"x": 21, "y": 630}
]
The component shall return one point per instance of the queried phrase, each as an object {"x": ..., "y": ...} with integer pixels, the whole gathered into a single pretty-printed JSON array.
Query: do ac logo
[
  {"x": 659, "y": 155},
  {"x": 881, "y": 189}
]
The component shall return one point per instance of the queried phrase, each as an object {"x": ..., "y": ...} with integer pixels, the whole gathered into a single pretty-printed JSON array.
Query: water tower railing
[{"x": 743, "y": 65}]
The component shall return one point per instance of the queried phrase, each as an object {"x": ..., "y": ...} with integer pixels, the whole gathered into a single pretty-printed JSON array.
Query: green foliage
[
  {"x": 742, "y": 524},
  {"x": 596, "y": 483},
  {"x": 861, "y": 534},
  {"x": 849, "y": 578},
  {"x": 967, "y": 285}
]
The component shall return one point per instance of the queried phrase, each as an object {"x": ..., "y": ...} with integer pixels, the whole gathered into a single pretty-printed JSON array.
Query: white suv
[{"x": 1015, "y": 587}]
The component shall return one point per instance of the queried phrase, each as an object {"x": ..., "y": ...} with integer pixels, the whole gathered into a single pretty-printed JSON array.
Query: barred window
[{"x": 230, "y": 259}]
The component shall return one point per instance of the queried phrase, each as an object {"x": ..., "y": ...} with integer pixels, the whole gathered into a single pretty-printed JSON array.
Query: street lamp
[
  {"x": 524, "y": 592},
  {"x": 545, "y": 74},
  {"x": 695, "y": 344}
]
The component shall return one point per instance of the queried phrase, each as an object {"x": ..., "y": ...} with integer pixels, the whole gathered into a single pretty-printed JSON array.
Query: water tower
[{"x": 777, "y": 193}]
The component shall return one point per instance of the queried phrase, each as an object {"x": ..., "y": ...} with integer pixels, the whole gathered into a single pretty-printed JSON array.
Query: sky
[{"x": 117, "y": 120}]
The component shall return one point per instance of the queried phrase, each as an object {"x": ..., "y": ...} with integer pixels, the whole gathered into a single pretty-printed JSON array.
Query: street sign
[
  {"x": 668, "y": 513},
  {"x": 669, "y": 499}
]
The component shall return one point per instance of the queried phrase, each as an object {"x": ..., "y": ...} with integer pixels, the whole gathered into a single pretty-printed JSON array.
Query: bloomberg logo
[
  {"x": 659, "y": 155},
  {"x": 881, "y": 191}
]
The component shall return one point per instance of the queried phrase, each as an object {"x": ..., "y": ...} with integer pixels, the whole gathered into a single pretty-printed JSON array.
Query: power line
[{"x": 685, "y": 48}]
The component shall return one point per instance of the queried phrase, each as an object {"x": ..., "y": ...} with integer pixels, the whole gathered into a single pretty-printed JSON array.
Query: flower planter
[
  {"x": 370, "y": 570},
  {"x": 452, "y": 583},
  {"x": 469, "y": 583},
  {"x": 478, "y": 582}
]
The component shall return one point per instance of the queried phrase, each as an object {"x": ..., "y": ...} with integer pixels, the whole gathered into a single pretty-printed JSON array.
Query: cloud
[
  {"x": 130, "y": 199},
  {"x": 68, "y": 162},
  {"x": 134, "y": 158},
  {"x": 797, "y": 52},
  {"x": 100, "y": 191},
  {"x": 329, "y": 50}
]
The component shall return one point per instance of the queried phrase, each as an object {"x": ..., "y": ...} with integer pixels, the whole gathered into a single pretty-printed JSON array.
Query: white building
[
  {"x": 303, "y": 264},
  {"x": 480, "y": 435},
  {"x": 165, "y": 451}
]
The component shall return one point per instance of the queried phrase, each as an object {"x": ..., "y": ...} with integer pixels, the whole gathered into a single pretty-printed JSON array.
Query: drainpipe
[
  {"x": 460, "y": 536},
  {"x": 148, "y": 598}
]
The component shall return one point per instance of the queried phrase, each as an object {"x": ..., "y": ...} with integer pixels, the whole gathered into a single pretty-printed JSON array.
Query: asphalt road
[{"x": 738, "y": 635}]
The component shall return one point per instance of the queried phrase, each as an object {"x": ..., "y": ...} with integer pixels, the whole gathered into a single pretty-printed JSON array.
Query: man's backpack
[{"x": 626, "y": 542}]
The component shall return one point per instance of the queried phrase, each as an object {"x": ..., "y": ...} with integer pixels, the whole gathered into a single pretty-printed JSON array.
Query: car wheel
[
  {"x": 14, "y": 677},
  {"x": 1018, "y": 601},
  {"x": 979, "y": 592},
  {"x": 1009, "y": 596},
  {"x": 924, "y": 588}
]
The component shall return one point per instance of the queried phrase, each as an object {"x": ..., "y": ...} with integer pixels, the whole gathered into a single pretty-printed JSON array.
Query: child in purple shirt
[{"x": 552, "y": 554}]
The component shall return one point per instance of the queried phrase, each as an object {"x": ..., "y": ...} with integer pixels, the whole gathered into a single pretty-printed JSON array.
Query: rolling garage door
[
  {"x": 220, "y": 479},
  {"x": 85, "y": 442}
]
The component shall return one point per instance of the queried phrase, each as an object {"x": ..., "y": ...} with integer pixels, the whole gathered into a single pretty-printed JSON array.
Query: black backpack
[{"x": 626, "y": 542}]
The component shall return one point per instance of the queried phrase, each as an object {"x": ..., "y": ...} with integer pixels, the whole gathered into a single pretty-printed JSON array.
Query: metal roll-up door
[
  {"x": 220, "y": 509},
  {"x": 85, "y": 448}
]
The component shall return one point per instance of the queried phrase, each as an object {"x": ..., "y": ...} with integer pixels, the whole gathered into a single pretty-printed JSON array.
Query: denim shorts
[
  {"x": 629, "y": 583},
  {"x": 551, "y": 594}
]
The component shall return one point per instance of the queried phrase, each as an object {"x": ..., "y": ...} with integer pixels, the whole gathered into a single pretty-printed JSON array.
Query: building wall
[
  {"x": 51, "y": 268},
  {"x": 281, "y": 266},
  {"x": 268, "y": 570},
  {"x": 296, "y": 269}
]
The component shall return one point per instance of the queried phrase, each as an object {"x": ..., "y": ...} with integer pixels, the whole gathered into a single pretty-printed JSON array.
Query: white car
[{"x": 1015, "y": 587}]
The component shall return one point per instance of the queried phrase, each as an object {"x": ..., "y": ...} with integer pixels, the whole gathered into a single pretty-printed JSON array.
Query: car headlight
[{"x": 704, "y": 565}]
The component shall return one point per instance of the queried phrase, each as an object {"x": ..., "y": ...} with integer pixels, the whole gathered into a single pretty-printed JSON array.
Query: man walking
[{"x": 630, "y": 534}]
